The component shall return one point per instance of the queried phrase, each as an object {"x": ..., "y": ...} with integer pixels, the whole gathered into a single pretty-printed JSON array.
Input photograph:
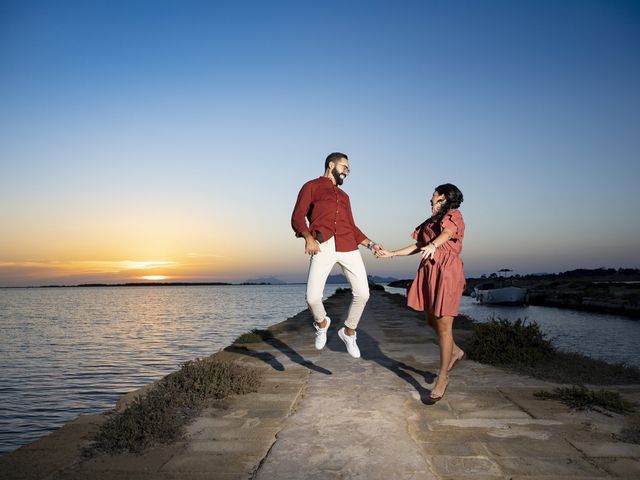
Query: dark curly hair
[{"x": 453, "y": 199}]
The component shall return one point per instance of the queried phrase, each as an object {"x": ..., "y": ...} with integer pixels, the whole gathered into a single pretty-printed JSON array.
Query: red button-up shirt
[{"x": 328, "y": 210}]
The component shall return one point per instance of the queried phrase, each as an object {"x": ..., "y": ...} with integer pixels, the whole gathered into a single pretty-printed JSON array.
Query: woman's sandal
[
  {"x": 461, "y": 357},
  {"x": 439, "y": 397}
]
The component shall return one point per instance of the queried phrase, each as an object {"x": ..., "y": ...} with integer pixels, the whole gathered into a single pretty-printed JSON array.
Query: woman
[{"x": 439, "y": 281}]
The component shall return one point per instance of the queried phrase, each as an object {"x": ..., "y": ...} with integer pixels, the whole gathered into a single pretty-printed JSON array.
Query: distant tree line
[{"x": 580, "y": 272}]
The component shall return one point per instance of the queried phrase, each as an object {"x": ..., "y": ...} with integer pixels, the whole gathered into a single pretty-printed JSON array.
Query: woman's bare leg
[
  {"x": 445, "y": 333},
  {"x": 457, "y": 353}
]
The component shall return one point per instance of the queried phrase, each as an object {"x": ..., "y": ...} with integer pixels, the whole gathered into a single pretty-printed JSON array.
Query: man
[{"x": 331, "y": 237}]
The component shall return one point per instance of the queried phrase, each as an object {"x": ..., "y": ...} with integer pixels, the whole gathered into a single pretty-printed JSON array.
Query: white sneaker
[
  {"x": 321, "y": 334},
  {"x": 350, "y": 342}
]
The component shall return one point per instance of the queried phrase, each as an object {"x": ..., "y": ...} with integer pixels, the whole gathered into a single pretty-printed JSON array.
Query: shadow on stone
[
  {"x": 266, "y": 357},
  {"x": 272, "y": 361},
  {"x": 370, "y": 351},
  {"x": 295, "y": 356}
]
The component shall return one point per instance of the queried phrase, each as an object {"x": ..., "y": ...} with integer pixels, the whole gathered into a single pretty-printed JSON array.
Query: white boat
[
  {"x": 500, "y": 291},
  {"x": 504, "y": 295}
]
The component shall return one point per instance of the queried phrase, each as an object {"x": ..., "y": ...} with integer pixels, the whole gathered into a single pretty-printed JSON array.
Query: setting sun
[{"x": 154, "y": 277}]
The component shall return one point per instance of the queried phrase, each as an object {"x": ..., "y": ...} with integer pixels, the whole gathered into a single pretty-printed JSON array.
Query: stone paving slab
[
  {"x": 608, "y": 449},
  {"x": 559, "y": 466},
  {"x": 324, "y": 415},
  {"x": 150, "y": 461},
  {"x": 458, "y": 465},
  {"x": 628, "y": 468}
]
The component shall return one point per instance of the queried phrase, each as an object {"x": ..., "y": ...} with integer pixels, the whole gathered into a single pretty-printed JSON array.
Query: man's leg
[
  {"x": 319, "y": 268},
  {"x": 353, "y": 268}
]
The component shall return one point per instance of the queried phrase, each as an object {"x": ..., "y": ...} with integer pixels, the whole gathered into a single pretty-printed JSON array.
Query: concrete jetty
[{"x": 325, "y": 415}]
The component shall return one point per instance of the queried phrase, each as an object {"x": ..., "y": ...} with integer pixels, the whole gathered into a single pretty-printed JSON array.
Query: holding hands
[
  {"x": 382, "y": 253},
  {"x": 427, "y": 251},
  {"x": 375, "y": 248}
]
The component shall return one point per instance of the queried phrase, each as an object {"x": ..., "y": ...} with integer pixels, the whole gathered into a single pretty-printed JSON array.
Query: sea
[{"x": 69, "y": 351}]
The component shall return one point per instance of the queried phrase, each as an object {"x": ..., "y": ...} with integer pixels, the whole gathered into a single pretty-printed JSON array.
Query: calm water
[
  {"x": 612, "y": 338},
  {"x": 71, "y": 351}
]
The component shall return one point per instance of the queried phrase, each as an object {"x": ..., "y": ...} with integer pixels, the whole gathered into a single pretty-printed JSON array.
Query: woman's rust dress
[{"x": 439, "y": 281}]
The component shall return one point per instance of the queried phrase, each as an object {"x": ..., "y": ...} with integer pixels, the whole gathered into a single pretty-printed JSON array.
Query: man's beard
[{"x": 336, "y": 176}]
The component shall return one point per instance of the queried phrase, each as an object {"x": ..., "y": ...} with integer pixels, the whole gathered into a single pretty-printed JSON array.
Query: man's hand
[
  {"x": 311, "y": 246},
  {"x": 377, "y": 248}
]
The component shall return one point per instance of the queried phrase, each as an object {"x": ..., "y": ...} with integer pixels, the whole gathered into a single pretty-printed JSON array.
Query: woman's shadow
[{"x": 370, "y": 351}]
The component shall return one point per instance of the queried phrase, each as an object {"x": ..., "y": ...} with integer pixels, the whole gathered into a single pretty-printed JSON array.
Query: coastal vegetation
[
  {"x": 159, "y": 414},
  {"x": 581, "y": 398},
  {"x": 254, "y": 336},
  {"x": 522, "y": 347},
  {"x": 500, "y": 342}
]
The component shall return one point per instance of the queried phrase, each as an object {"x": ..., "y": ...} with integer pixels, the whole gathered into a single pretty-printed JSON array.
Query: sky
[{"x": 169, "y": 140}]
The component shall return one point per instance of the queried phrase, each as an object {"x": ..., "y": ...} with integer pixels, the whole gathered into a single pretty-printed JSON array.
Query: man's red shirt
[{"x": 328, "y": 210}]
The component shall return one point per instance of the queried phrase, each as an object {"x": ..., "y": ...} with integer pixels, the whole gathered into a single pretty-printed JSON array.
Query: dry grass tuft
[{"x": 160, "y": 415}]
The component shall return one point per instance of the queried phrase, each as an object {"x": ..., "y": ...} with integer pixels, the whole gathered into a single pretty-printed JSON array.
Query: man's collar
[{"x": 328, "y": 180}]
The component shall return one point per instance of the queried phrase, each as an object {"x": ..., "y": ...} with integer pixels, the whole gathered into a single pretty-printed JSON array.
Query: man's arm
[
  {"x": 299, "y": 219},
  {"x": 299, "y": 215}
]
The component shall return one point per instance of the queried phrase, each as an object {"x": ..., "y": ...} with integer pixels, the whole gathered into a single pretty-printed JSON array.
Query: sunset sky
[{"x": 169, "y": 140}]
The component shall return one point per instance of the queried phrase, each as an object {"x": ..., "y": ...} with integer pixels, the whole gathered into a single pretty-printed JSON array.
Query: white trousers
[{"x": 352, "y": 267}]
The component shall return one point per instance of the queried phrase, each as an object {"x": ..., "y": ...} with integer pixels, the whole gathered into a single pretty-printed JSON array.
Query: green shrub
[
  {"x": 581, "y": 398},
  {"x": 523, "y": 348},
  {"x": 255, "y": 336},
  {"x": 159, "y": 415},
  {"x": 500, "y": 342}
]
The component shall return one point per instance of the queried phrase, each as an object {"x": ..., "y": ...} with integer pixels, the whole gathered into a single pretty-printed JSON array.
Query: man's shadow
[
  {"x": 272, "y": 360},
  {"x": 370, "y": 351}
]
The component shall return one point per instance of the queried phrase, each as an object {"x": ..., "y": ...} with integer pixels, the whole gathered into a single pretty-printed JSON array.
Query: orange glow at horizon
[{"x": 178, "y": 267}]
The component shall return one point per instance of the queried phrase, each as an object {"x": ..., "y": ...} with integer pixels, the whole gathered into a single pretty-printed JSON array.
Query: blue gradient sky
[{"x": 171, "y": 138}]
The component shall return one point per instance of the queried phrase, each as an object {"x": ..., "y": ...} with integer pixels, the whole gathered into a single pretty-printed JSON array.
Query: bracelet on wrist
[{"x": 371, "y": 245}]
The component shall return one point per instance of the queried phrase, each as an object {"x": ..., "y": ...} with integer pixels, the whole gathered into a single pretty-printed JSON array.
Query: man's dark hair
[{"x": 334, "y": 157}]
